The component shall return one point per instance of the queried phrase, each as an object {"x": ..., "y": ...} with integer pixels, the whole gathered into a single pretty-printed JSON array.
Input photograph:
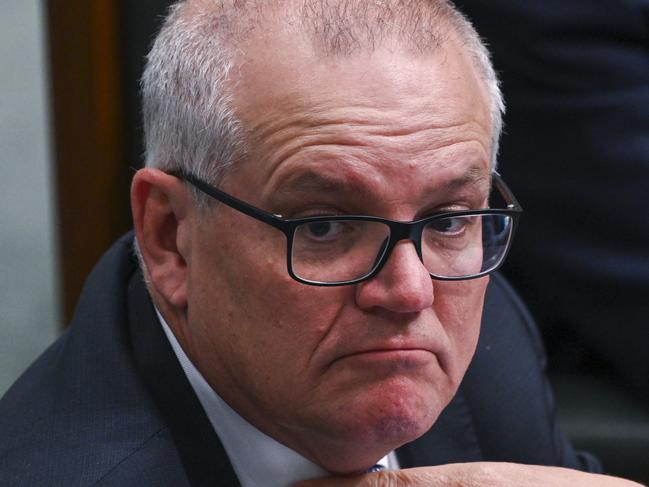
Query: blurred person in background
[{"x": 575, "y": 74}]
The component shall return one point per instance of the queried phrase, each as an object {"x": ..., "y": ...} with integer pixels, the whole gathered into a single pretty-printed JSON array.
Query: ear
[{"x": 161, "y": 205}]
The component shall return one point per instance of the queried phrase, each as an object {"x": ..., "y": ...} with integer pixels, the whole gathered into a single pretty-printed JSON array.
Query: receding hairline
[
  {"x": 191, "y": 77},
  {"x": 325, "y": 24},
  {"x": 335, "y": 27}
]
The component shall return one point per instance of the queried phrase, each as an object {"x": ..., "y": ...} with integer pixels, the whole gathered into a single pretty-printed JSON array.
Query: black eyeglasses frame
[{"x": 399, "y": 230}]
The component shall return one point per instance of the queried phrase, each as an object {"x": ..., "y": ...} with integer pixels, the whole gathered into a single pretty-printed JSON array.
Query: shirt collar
[{"x": 272, "y": 464}]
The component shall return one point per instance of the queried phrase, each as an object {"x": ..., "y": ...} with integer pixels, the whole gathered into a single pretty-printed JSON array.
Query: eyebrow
[
  {"x": 311, "y": 181},
  {"x": 475, "y": 175}
]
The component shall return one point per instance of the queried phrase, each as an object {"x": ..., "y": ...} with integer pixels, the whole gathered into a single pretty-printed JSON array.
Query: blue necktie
[{"x": 375, "y": 468}]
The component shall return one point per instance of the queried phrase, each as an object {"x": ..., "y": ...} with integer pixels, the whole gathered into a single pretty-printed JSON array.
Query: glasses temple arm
[
  {"x": 507, "y": 194},
  {"x": 229, "y": 200}
]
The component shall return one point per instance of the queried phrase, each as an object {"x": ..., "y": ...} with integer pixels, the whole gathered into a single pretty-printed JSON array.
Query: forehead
[{"x": 376, "y": 112}]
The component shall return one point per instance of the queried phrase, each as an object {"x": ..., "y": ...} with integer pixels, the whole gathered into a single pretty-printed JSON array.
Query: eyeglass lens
[{"x": 334, "y": 251}]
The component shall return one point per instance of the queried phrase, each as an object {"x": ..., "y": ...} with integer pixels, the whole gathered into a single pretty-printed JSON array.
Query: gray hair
[
  {"x": 482, "y": 59},
  {"x": 189, "y": 123},
  {"x": 189, "y": 120}
]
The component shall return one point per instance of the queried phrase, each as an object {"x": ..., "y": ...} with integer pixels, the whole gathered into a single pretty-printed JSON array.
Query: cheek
[
  {"x": 270, "y": 359},
  {"x": 459, "y": 308},
  {"x": 289, "y": 321},
  {"x": 262, "y": 326}
]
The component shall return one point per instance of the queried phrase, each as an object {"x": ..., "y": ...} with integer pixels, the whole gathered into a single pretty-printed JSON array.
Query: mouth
[{"x": 402, "y": 358}]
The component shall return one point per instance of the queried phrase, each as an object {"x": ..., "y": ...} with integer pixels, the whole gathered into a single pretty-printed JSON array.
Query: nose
[{"x": 403, "y": 285}]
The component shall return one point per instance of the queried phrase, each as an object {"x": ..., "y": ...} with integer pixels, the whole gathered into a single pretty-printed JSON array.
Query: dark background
[{"x": 97, "y": 51}]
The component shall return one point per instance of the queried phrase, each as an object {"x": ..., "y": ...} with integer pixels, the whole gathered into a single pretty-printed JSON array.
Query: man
[{"x": 312, "y": 342}]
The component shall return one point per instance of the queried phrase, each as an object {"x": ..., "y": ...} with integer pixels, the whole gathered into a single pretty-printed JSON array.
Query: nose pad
[{"x": 402, "y": 285}]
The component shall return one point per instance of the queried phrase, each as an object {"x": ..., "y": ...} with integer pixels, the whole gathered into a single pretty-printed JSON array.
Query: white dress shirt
[{"x": 257, "y": 459}]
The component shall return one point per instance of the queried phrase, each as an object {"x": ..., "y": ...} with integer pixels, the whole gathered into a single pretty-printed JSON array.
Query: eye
[
  {"x": 449, "y": 226},
  {"x": 324, "y": 231}
]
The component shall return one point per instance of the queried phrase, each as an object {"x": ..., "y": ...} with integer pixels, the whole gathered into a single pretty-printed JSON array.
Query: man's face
[{"x": 361, "y": 368}]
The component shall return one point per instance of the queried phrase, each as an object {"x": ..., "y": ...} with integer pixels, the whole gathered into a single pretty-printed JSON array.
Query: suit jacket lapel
[
  {"x": 202, "y": 454},
  {"x": 452, "y": 439}
]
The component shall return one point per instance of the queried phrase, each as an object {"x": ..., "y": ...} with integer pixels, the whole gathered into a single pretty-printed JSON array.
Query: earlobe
[{"x": 160, "y": 208}]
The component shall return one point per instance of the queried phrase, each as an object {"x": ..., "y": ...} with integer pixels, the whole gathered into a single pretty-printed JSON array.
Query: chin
[
  {"x": 397, "y": 414},
  {"x": 373, "y": 424},
  {"x": 403, "y": 423},
  {"x": 379, "y": 415},
  {"x": 381, "y": 431}
]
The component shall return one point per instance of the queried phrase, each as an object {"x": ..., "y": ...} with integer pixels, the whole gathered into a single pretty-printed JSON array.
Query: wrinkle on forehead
[
  {"x": 385, "y": 112},
  {"x": 382, "y": 102},
  {"x": 396, "y": 193},
  {"x": 405, "y": 147},
  {"x": 373, "y": 118}
]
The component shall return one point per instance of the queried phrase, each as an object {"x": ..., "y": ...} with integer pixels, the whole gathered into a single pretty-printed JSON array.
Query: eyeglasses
[{"x": 347, "y": 249}]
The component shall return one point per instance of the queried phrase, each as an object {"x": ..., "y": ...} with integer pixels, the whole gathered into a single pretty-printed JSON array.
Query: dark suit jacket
[{"x": 109, "y": 405}]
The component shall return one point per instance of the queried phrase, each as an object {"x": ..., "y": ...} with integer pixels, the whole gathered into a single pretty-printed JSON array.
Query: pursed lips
[
  {"x": 385, "y": 350},
  {"x": 402, "y": 352}
]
